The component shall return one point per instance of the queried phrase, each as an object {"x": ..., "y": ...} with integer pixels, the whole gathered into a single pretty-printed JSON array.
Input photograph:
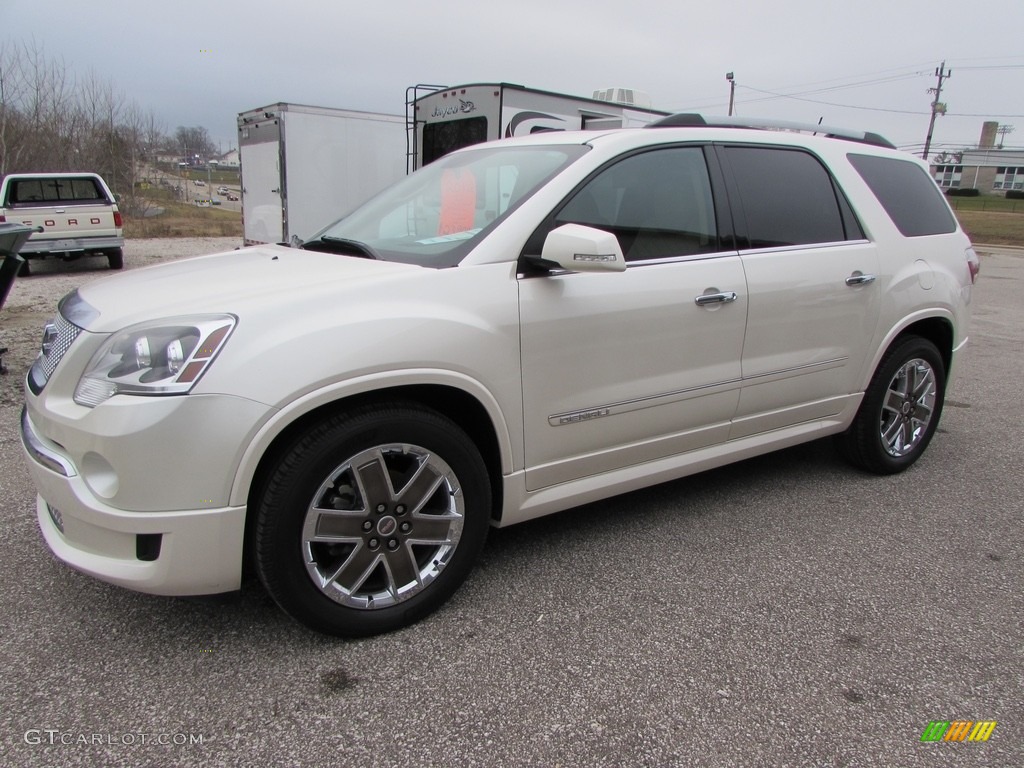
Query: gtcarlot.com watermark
[{"x": 49, "y": 736}]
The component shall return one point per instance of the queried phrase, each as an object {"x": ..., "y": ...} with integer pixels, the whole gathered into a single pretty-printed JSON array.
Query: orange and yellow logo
[{"x": 958, "y": 730}]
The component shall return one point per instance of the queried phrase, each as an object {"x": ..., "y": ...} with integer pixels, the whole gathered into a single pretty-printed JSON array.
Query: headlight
[{"x": 166, "y": 357}]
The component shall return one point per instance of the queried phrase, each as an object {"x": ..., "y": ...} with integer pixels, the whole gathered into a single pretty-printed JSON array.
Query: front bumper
[{"x": 160, "y": 551}]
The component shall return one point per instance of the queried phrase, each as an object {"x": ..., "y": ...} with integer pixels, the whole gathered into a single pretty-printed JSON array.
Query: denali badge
[{"x": 574, "y": 418}]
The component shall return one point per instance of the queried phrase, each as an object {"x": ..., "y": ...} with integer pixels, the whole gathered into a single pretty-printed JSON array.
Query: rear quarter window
[{"x": 907, "y": 193}]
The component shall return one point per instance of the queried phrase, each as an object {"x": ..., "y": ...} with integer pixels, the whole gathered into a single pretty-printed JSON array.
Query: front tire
[
  {"x": 900, "y": 410},
  {"x": 371, "y": 519}
]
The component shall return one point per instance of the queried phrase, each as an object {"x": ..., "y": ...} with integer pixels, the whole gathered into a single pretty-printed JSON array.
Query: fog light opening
[{"x": 147, "y": 546}]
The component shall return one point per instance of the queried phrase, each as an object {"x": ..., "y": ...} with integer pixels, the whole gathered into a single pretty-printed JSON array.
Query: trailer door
[
  {"x": 453, "y": 118},
  {"x": 262, "y": 211}
]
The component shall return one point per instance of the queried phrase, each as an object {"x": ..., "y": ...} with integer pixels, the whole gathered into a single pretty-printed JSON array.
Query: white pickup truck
[{"x": 73, "y": 215}]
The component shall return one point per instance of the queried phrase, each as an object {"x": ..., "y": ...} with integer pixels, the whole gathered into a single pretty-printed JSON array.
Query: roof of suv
[
  {"x": 765, "y": 132},
  {"x": 687, "y": 120}
]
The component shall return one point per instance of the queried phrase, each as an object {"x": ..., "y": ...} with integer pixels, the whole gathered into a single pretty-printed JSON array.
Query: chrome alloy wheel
[
  {"x": 382, "y": 526},
  {"x": 908, "y": 407}
]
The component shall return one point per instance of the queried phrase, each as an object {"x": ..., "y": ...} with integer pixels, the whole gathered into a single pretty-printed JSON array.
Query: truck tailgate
[{"x": 66, "y": 222}]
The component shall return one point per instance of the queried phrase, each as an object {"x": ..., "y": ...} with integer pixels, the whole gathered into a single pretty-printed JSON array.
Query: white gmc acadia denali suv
[{"x": 517, "y": 328}]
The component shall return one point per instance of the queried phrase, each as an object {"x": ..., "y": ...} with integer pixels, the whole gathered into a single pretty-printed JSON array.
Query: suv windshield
[{"x": 435, "y": 216}]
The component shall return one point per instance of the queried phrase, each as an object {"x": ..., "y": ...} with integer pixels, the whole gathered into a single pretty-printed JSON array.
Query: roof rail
[{"x": 685, "y": 119}]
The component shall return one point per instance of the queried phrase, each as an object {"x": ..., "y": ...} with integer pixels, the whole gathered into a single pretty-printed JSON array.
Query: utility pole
[
  {"x": 1002, "y": 130},
  {"x": 732, "y": 90},
  {"x": 938, "y": 108}
]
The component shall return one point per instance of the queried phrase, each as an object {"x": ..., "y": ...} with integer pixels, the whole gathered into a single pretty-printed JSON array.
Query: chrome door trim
[{"x": 666, "y": 398}]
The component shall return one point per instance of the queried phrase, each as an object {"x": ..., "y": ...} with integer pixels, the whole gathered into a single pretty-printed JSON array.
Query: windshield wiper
[{"x": 341, "y": 245}]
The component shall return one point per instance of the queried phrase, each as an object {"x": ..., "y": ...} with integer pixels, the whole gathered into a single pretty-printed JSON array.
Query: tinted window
[
  {"x": 907, "y": 193},
  {"x": 441, "y": 138},
  {"x": 56, "y": 190},
  {"x": 787, "y": 196},
  {"x": 658, "y": 204}
]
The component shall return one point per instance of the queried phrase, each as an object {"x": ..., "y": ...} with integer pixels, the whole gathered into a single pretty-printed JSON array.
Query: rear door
[
  {"x": 629, "y": 367},
  {"x": 454, "y": 118},
  {"x": 813, "y": 293},
  {"x": 262, "y": 208}
]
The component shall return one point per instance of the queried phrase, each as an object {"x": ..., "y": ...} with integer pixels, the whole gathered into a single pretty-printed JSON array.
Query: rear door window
[
  {"x": 907, "y": 193},
  {"x": 788, "y": 198}
]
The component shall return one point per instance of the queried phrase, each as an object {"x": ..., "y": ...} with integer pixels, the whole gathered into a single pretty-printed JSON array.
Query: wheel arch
[
  {"x": 480, "y": 422},
  {"x": 938, "y": 329}
]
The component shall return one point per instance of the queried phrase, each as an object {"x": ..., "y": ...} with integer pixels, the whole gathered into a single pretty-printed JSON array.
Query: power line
[
  {"x": 775, "y": 95},
  {"x": 995, "y": 69},
  {"x": 830, "y": 103},
  {"x": 883, "y": 77}
]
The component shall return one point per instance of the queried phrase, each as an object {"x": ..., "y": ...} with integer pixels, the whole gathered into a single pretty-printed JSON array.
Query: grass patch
[
  {"x": 181, "y": 219},
  {"x": 993, "y": 227},
  {"x": 220, "y": 176},
  {"x": 994, "y": 203}
]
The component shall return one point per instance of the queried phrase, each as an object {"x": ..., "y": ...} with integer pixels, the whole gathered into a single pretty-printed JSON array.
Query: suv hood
[{"x": 260, "y": 277}]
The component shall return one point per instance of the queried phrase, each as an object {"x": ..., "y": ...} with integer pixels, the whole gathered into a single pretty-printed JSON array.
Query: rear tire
[
  {"x": 371, "y": 519},
  {"x": 116, "y": 258},
  {"x": 24, "y": 270},
  {"x": 900, "y": 410}
]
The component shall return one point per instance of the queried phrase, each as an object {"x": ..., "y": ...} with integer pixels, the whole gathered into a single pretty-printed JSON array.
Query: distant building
[
  {"x": 229, "y": 159},
  {"x": 989, "y": 169},
  {"x": 166, "y": 156}
]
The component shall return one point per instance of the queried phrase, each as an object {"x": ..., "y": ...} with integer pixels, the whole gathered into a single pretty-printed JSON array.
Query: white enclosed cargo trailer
[
  {"x": 443, "y": 119},
  {"x": 304, "y": 167}
]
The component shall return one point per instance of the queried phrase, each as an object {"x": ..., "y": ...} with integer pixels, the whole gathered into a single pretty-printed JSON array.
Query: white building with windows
[
  {"x": 989, "y": 169},
  {"x": 229, "y": 159}
]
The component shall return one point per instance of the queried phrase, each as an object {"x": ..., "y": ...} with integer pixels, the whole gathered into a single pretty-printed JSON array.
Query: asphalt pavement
[{"x": 784, "y": 611}]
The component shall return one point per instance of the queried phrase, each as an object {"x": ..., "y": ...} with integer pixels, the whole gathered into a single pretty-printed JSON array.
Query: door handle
[
  {"x": 859, "y": 279},
  {"x": 715, "y": 298}
]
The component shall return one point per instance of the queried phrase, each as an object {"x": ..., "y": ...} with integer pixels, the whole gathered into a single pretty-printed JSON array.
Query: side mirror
[{"x": 577, "y": 248}]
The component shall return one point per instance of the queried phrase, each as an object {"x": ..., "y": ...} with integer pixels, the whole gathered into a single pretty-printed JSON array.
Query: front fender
[{"x": 281, "y": 419}]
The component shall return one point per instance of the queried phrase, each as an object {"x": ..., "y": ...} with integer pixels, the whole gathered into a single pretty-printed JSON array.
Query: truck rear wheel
[{"x": 116, "y": 258}]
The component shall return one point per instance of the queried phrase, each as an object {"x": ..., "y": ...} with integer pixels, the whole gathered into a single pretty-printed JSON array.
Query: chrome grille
[
  {"x": 74, "y": 315},
  {"x": 58, "y": 337}
]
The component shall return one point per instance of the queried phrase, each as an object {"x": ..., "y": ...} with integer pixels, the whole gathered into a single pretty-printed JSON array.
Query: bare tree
[
  {"x": 11, "y": 121},
  {"x": 51, "y": 121},
  {"x": 193, "y": 141}
]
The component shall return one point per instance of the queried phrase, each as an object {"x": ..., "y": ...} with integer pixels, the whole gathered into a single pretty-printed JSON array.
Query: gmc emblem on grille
[{"x": 49, "y": 336}]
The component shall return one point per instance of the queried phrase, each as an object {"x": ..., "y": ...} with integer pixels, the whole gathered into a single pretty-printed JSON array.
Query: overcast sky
[{"x": 866, "y": 64}]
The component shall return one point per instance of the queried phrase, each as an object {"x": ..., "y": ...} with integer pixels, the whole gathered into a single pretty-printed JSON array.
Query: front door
[{"x": 629, "y": 367}]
